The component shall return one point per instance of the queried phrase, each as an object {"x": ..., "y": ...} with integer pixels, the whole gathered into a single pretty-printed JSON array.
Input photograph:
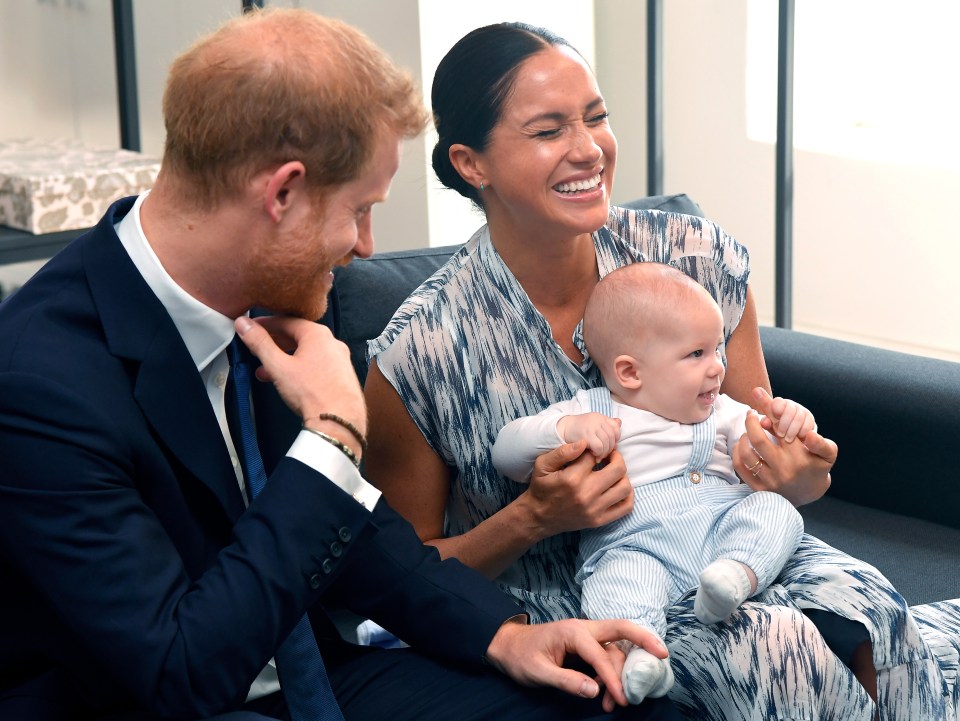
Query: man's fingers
[
  {"x": 574, "y": 683},
  {"x": 612, "y": 631},
  {"x": 638, "y": 636},
  {"x": 260, "y": 343},
  {"x": 590, "y": 651}
]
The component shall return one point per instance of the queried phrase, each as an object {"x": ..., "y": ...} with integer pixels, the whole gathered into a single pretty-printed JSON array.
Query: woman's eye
[
  {"x": 548, "y": 133},
  {"x": 597, "y": 119}
]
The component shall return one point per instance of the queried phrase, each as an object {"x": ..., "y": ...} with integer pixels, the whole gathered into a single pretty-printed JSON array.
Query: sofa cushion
[
  {"x": 919, "y": 557},
  {"x": 366, "y": 292}
]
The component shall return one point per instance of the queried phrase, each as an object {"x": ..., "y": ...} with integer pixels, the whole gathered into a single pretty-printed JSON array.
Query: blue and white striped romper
[{"x": 641, "y": 564}]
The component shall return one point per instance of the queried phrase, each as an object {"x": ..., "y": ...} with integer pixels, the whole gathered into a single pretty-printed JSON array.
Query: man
[{"x": 145, "y": 573}]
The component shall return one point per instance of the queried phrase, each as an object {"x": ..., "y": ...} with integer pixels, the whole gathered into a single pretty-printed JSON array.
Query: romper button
[{"x": 695, "y": 477}]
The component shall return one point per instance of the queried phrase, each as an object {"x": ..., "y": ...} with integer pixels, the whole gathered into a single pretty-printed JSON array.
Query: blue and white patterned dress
[{"x": 468, "y": 352}]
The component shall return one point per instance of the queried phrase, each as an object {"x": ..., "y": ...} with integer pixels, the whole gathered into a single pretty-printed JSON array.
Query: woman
[{"x": 523, "y": 133}]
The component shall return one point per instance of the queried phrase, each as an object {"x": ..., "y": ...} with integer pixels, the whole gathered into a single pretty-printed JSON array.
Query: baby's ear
[{"x": 627, "y": 372}]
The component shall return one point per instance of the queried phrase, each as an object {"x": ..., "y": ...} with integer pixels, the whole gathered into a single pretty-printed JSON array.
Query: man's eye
[
  {"x": 597, "y": 119},
  {"x": 547, "y": 133}
]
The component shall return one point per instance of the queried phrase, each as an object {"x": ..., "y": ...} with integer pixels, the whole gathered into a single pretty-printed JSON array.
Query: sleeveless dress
[{"x": 468, "y": 352}]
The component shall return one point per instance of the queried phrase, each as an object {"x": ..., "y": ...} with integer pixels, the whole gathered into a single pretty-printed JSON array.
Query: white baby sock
[
  {"x": 724, "y": 585},
  {"x": 644, "y": 675}
]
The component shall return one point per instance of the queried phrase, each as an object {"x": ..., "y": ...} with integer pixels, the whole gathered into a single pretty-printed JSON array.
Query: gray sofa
[{"x": 895, "y": 498}]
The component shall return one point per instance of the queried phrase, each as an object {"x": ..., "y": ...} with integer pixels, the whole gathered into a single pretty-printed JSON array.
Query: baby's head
[{"x": 657, "y": 336}]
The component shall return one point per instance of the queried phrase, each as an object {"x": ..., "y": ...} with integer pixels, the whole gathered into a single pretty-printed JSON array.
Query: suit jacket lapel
[{"x": 167, "y": 385}]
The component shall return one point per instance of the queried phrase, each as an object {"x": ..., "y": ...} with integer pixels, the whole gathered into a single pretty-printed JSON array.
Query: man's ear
[
  {"x": 284, "y": 186},
  {"x": 466, "y": 161},
  {"x": 627, "y": 372}
]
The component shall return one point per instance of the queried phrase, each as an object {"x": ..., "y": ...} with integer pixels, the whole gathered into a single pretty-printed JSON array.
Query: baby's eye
[{"x": 697, "y": 353}]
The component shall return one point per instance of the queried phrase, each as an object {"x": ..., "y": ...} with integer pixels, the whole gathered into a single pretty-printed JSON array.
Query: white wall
[{"x": 874, "y": 252}]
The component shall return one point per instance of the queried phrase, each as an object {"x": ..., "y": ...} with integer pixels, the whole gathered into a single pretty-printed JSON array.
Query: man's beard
[{"x": 298, "y": 285}]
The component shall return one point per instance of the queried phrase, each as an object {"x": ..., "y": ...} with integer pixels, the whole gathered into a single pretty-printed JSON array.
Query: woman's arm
[
  {"x": 798, "y": 472},
  {"x": 564, "y": 493},
  {"x": 746, "y": 368}
]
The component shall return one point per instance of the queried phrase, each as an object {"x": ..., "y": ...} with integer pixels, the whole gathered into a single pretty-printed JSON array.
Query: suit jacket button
[
  {"x": 327, "y": 565},
  {"x": 315, "y": 581},
  {"x": 336, "y": 550},
  {"x": 345, "y": 534}
]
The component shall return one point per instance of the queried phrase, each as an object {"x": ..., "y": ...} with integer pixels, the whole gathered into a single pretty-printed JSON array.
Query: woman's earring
[{"x": 481, "y": 186}]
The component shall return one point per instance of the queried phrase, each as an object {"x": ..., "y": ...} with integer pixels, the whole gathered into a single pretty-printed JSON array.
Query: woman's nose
[{"x": 585, "y": 147}]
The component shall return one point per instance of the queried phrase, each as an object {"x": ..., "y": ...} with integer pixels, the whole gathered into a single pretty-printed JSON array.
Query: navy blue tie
[{"x": 303, "y": 677}]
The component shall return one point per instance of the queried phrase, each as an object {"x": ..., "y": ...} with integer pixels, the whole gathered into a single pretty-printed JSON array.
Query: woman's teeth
[{"x": 579, "y": 185}]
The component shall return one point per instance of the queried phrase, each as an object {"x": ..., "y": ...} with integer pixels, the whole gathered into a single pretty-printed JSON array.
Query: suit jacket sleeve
[{"x": 183, "y": 632}]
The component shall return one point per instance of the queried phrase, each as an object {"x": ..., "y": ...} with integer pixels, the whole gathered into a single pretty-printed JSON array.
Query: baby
[{"x": 656, "y": 336}]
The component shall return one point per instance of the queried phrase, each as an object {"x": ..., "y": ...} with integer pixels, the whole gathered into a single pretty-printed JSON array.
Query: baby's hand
[
  {"x": 789, "y": 420},
  {"x": 599, "y": 431}
]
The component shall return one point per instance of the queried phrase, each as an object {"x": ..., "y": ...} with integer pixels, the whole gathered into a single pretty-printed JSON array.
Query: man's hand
[
  {"x": 308, "y": 366},
  {"x": 534, "y": 655},
  {"x": 599, "y": 431}
]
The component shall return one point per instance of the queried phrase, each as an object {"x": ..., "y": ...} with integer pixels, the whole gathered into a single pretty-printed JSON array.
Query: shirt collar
[{"x": 205, "y": 332}]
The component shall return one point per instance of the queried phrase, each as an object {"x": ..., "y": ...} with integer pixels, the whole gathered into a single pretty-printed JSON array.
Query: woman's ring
[{"x": 756, "y": 465}]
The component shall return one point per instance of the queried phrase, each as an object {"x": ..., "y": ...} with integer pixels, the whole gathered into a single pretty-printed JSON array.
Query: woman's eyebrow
[{"x": 560, "y": 117}]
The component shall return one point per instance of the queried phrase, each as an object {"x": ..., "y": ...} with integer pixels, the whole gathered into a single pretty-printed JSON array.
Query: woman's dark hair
[{"x": 470, "y": 87}]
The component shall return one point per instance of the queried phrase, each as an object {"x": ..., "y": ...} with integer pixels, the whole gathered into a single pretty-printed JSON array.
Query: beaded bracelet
[
  {"x": 339, "y": 445},
  {"x": 354, "y": 431}
]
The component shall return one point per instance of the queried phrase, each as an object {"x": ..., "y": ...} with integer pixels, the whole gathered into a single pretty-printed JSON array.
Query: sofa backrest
[
  {"x": 895, "y": 416},
  {"x": 366, "y": 292}
]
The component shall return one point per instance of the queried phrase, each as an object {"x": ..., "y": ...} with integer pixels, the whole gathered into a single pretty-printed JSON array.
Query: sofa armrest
[{"x": 894, "y": 416}]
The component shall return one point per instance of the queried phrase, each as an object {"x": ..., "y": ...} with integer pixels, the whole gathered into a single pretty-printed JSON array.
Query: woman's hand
[
  {"x": 567, "y": 493},
  {"x": 416, "y": 482},
  {"x": 799, "y": 471},
  {"x": 788, "y": 419}
]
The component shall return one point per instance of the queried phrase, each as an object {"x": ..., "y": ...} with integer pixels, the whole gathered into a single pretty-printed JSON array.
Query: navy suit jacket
[{"x": 131, "y": 574}]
